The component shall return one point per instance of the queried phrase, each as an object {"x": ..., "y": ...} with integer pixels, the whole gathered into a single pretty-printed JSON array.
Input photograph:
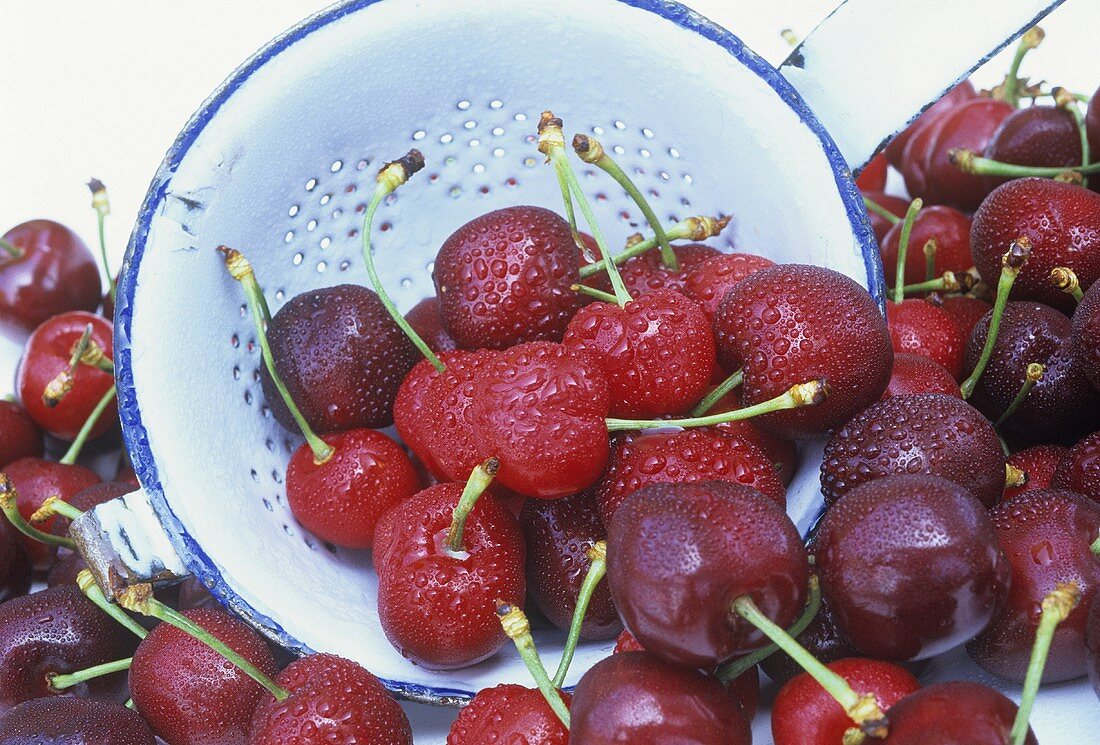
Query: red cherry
[
  {"x": 955, "y": 713},
  {"x": 919, "y": 327},
  {"x": 646, "y": 273},
  {"x": 873, "y": 175},
  {"x": 74, "y": 720},
  {"x": 890, "y": 203},
  {"x": 20, "y": 437},
  {"x": 509, "y": 714},
  {"x": 625, "y": 642},
  {"x": 504, "y": 278},
  {"x": 916, "y": 374},
  {"x": 1039, "y": 463},
  {"x": 438, "y": 607},
  {"x": 35, "y": 480},
  {"x": 966, "y": 311},
  {"x": 1092, "y": 122},
  {"x": 805, "y": 714},
  {"x": 1092, "y": 640},
  {"x": 331, "y": 700},
  {"x": 708, "y": 283},
  {"x": 1035, "y": 136},
  {"x": 781, "y": 452},
  {"x": 952, "y": 98},
  {"x": 15, "y": 564},
  {"x": 947, "y": 226},
  {"x": 822, "y": 638},
  {"x": 189, "y": 693},
  {"x": 1085, "y": 334},
  {"x": 427, "y": 321},
  {"x": 1079, "y": 469},
  {"x": 411, "y": 416},
  {"x": 968, "y": 126},
  {"x": 55, "y": 273},
  {"x": 47, "y": 353}
]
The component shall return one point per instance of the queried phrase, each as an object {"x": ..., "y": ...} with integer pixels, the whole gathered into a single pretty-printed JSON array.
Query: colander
[{"x": 280, "y": 160}]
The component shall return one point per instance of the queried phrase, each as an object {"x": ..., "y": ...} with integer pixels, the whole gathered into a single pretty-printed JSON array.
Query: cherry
[
  {"x": 957, "y": 713},
  {"x": 708, "y": 283},
  {"x": 331, "y": 700},
  {"x": 962, "y": 92},
  {"x": 873, "y": 175},
  {"x": 437, "y": 606},
  {"x": 415, "y": 420},
  {"x": 679, "y": 555},
  {"x": 924, "y": 433},
  {"x": 73, "y": 720},
  {"x": 775, "y": 324},
  {"x": 914, "y": 373},
  {"x": 947, "y": 226},
  {"x": 1039, "y": 462},
  {"x": 46, "y": 354},
  {"x": 35, "y": 480},
  {"x": 646, "y": 273},
  {"x": 192, "y": 593},
  {"x": 187, "y": 691},
  {"x": 920, "y": 327},
  {"x": 889, "y": 204},
  {"x": 805, "y": 714},
  {"x": 1092, "y": 122},
  {"x": 936, "y": 545},
  {"x": 67, "y": 564},
  {"x": 1086, "y": 334},
  {"x": 57, "y": 631},
  {"x": 1062, "y": 221},
  {"x": 558, "y": 533},
  {"x": 638, "y": 698},
  {"x": 427, "y": 320},
  {"x": 1035, "y": 136},
  {"x": 781, "y": 452},
  {"x": 509, "y": 713},
  {"x": 15, "y": 564},
  {"x": 822, "y": 638},
  {"x": 966, "y": 311},
  {"x": 20, "y": 437},
  {"x": 1079, "y": 469},
  {"x": 1092, "y": 641},
  {"x": 45, "y": 270}
]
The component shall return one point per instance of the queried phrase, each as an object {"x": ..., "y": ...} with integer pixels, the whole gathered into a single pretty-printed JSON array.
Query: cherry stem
[
  {"x": 950, "y": 282},
  {"x": 692, "y": 229},
  {"x": 1011, "y": 86},
  {"x": 241, "y": 270},
  {"x": 390, "y": 177},
  {"x": 62, "y": 383},
  {"x": 1014, "y": 477},
  {"x": 1095, "y": 547},
  {"x": 968, "y": 161},
  {"x": 597, "y": 554},
  {"x": 591, "y": 151},
  {"x": 87, "y": 584},
  {"x": 11, "y": 249},
  {"x": 1011, "y": 264},
  {"x": 862, "y": 709},
  {"x": 94, "y": 356},
  {"x": 1032, "y": 375},
  {"x": 1065, "y": 279},
  {"x": 77, "y": 445},
  {"x": 738, "y": 667},
  {"x": 878, "y": 209},
  {"x": 929, "y": 250},
  {"x": 903, "y": 247},
  {"x": 9, "y": 503},
  {"x": 804, "y": 394},
  {"x": 476, "y": 485},
  {"x": 102, "y": 208},
  {"x": 139, "y": 599},
  {"x": 552, "y": 145},
  {"x": 60, "y": 681},
  {"x": 518, "y": 629},
  {"x": 720, "y": 391},
  {"x": 1067, "y": 100},
  {"x": 1057, "y": 606},
  {"x": 54, "y": 506},
  {"x": 600, "y": 295}
]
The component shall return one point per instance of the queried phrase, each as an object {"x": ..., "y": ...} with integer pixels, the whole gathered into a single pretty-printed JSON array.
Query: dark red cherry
[
  {"x": 822, "y": 638},
  {"x": 413, "y": 418},
  {"x": 968, "y": 126},
  {"x": 1079, "y": 469},
  {"x": 342, "y": 359},
  {"x": 964, "y": 91},
  {"x": 509, "y": 713},
  {"x": 657, "y": 353},
  {"x": 1039, "y": 462},
  {"x": 951, "y": 231},
  {"x": 1085, "y": 333},
  {"x": 332, "y": 700},
  {"x": 15, "y": 564},
  {"x": 1092, "y": 122},
  {"x": 73, "y": 721},
  {"x": 55, "y": 273},
  {"x": 956, "y": 713},
  {"x": 189, "y": 693},
  {"x": 1062, "y": 221},
  {"x": 890, "y": 203},
  {"x": 1092, "y": 641},
  {"x": 638, "y": 698},
  {"x": 646, "y": 273},
  {"x": 920, "y": 327},
  {"x": 67, "y": 564},
  {"x": 783, "y": 453},
  {"x": 778, "y": 327},
  {"x": 504, "y": 278},
  {"x": 427, "y": 321},
  {"x": 921, "y": 434},
  {"x": 35, "y": 480},
  {"x": 192, "y": 593},
  {"x": 437, "y": 606},
  {"x": 914, "y": 373},
  {"x": 708, "y": 283},
  {"x": 625, "y": 642},
  {"x": 1046, "y": 536},
  {"x": 1035, "y": 136},
  {"x": 57, "y": 631},
  {"x": 639, "y": 459},
  {"x": 341, "y": 500},
  {"x": 941, "y": 575},
  {"x": 20, "y": 437},
  {"x": 966, "y": 311},
  {"x": 678, "y": 555},
  {"x": 47, "y": 353},
  {"x": 805, "y": 714},
  {"x": 873, "y": 175},
  {"x": 558, "y": 533}
]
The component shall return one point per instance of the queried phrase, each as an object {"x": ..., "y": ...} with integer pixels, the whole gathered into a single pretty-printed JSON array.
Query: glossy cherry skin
[
  {"x": 1062, "y": 405},
  {"x": 783, "y": 453},
  {"x": 804, "y": 714},
  {"x": 1092, "y": 641},
  {"x": 1039, "y": 462},
  {"x": 920, "y": 327},
  {"x": 657, "y": 353},
  {"x": 427, "y": 320},
  {"x": 873, "y": 175},
  {"x": 558, "y": 533},
  {"x": 638, "y": 698},
  {"x": 1046, "y": 536},
  {"x": 15, "y": 564},
  {"x": 504, "y": 277},
  {"x": 639, "y": 459},
  {"x": 73, "y": 721},
  {"x": 1079, "y": 469},
  {"x": 646, "y": 273},
  {"x": 925, "y": 433},
  {"x": 678, "y": 555},
  {"x": 966, "y": 311},
  {"x": 35, "y": 480},
  {"x": 509, "y": 713},
  {"x": 938, "y": 575},
  {"x": 822, "y": 638},
  {"x": 332, "y": 700},
  {"x": 957, "y": 713},
  {"x": 57, "y": 630},
  {"x": 45, "y": 354},
  {"x": 1085, "y": 334},
  {"x": 964, "y": 91},
  {"x": 891, "y": 203},
  {"x": 20, "y": 437},
  {"x": 413, "y": 418},
  {"x": 341, "y": 357},
  {"x": 188, "y": 693},
  {"x": 1092, "y": 122},
  {"x": 341, "y": 500},
  {"x": 1062, "y": 221},
  {"x": 951, "y": 231},
  {"x": 56, "y": 274},
  {"x": 708, "y": 283},
  {"x": 776, "y": 324},
  {"x": 438, "y": 608},
  {"x": 914, "y": 373},
  {"x": 971, "y": 126},
  {"x": 1035, "y": 136}
]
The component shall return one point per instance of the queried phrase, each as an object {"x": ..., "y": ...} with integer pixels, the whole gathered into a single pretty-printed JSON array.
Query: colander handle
[
  {"x": 871, "y": 66},
  {"x": 124, "y": 543}
]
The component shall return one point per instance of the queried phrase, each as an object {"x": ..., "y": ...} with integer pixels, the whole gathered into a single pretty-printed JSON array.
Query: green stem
[
  {"x": 692, "y": 228},
  {"x": 59, "y": 682},
  {"x": 597, "y": 554},
  {"x": 476, "y": 485},
  {"x": 1065, "y": 279},
  {"x": 804, "y": 394},
  {"x": 727, "y": 385},
  {"x": 929, "y": 250},
  {"x": 967, "y": 162},
  {"x": 1066, "y": 100},
  {"x": 735, "y": 669},
  {"x": 571, "y": 213},
  {"x": 518, "y": 629},
  {"x": 62, "y": 383},
  {"x": 1031, "y": 39},
  {"x": 10, "y": 249},
  {"x": 93, "y": 592},
  {"x": 878, "y": 209},
  {"x": 73, "y": 452},
  {"x": 1095, "y": 547},
  {"x": 55, "y": 506},
  {"x": 1032, "y": 375},
  {"x": 606, "y": 297},
  {"x": 9, "y": 503},
  {"x": 102, "y": 208},
  {"x": 903, "y": 248},
  {"x": 949, "y": 282}
]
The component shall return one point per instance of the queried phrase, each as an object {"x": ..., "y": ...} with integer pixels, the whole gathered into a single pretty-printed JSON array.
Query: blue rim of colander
[{"x": 134, "y": 432}]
